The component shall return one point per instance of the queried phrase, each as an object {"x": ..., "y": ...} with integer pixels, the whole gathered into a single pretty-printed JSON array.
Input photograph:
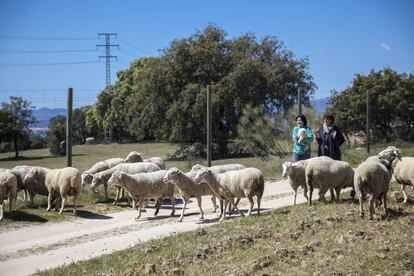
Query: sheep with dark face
[
  {"x": 188, "y": 188},
  {"x": 242, "y": 183}
]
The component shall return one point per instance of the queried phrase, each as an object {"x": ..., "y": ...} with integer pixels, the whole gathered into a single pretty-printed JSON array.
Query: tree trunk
[{"x": 16, "y": 148}]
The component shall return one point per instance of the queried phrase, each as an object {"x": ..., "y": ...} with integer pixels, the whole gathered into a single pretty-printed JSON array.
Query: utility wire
[
  {"x": 8, "y": 51},
  {"x": 45, "y": 64},
  {"x": 132, "y": 46},
  {"x": 13, "y": 37}
]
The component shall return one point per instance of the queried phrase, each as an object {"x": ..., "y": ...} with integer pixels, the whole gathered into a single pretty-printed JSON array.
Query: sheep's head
[
  {"x": 202, "y": 176},
  {"x": 96, "y": 181},
  {"x": 171, "y": 175},
  {"x": 31, "y": 176},
  {"x": 133, "y": 157},
  {"x": 287, "y": 167},
  {"x": 302, "y": 132},
  {"x": 86, "y": 179},
  {"x": 196, "y": 167},
  {"x": 390, "y": 153},
  {"x": 115, "y": 179}
]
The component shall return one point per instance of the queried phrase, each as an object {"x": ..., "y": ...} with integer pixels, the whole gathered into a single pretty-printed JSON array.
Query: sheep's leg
[
  {"x": 31, "y": 199},
  {"x": 75, "y": 211},
  {"x": 172, "y": 199},
  {"x": 338, "y": 193},
  {"x": 57, "y": 202},
  {"x": 234, "y": 204},
  {"x": 223, "y": 215},
  {"x": 182, "y": 211},
  {"x": 106, "y": 191},
  {"x": 199, "y": 206},
  {"x": 404, "y": 193},
  {"x": 122, "y": 193},
  {"x": 158, "y": 204},
  {"x": 221, "y": 203},
  {"x": 371, "y": 207},
  {"x": 12, "y": 196},
  {"x": 213, "y": 200},
  {"x": 294, "y": 196},
  {"x": 331, "y": 190},
  {"x": 259, "y": 197},
  {"x": 63, "y": 204},
  {"x": 140, "y": 204},
  {"x": 237, "y": 203},
  {"x": 384, "y": 196},
  {"x": 305, "y": 191},
  {"x": 361, "y": 205},
  {"x": 1, "y": 211},
  {"x": 49, "y": 201},
  {"x": 310, "y": 195},
  {"x": 322, "y": 193},
  {"x": 250, "y": 198}
]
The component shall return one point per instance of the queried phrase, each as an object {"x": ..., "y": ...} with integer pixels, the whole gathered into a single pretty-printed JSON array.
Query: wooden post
[
  {"x": 368, "y": 133},
  {"x": 69, "y": 129},
  {"x": 299, "y": 102},
  {"x": 209, "y": 124}
]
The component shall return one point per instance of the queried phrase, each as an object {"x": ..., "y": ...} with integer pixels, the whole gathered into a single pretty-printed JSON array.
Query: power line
[
  {"x": 108, "y": 56},
  {"x": 8, "y": 51},
  {"x": 13, "y": 37},
  {"x": 135, "y": 47},
  {"x": 46, "y": 64}
]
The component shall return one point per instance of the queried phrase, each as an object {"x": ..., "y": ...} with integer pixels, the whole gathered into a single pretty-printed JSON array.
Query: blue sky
[{"x": 340, "y": 38}]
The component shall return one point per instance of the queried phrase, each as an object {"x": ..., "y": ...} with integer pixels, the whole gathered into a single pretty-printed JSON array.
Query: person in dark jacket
[{"x": 329, "y": 138}]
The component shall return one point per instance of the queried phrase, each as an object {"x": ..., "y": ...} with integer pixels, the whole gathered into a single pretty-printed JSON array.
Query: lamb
[
  {"x": 101, "y": 178},
  {"x": 87, "y": 176},
  {"x": 34, "y": 181},
  {"x": 63, "y": 182},
  {"x": 188, "y": 188},
  {"x": 242, "y": 183},
  {"x": 402, "y": 167},
  {"x": 133, "y": 157},
  {"x": 8, "y": 186},
  {"x": 143, "y": 186},
  {"x": 296, "y": 174},
  {"x": 325, "y": 173},
  {"x": 373, "y": 178},
  {"x": 156, "y": 160}
]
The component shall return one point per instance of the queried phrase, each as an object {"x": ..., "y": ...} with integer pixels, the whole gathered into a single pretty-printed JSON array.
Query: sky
[{"x": 48, "y": 46}]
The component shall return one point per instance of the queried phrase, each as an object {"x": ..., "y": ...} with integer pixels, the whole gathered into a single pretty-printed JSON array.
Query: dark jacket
[{"x": 329, "y": 146}]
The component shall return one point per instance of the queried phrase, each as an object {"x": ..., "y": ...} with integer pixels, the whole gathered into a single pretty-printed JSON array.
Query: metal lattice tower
[{"x": 108, "y": 56}]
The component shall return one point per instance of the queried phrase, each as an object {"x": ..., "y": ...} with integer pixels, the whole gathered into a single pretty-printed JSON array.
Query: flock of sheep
[
  {"x": 371, "y": 178},
  {"x": 145, "y": 179},
  {"x": 142, "y": 179}
]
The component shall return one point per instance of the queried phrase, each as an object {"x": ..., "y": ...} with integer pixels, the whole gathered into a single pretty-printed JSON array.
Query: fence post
[
  {"x": 69, "y": 129},
  {"x": 209, "y": 124}
]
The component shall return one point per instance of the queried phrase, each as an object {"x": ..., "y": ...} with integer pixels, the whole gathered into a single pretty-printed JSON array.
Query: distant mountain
[
  {"x": 43, "y": 115},
  {"x": 320, "y": 105}
]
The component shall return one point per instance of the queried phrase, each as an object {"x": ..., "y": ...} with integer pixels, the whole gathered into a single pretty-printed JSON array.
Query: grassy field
[
  {"x": 84, "y": 156},
  {"x": 323, "y": 240}
]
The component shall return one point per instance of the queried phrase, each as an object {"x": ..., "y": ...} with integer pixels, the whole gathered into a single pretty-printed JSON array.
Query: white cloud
[{"x": 385, "y": 46}]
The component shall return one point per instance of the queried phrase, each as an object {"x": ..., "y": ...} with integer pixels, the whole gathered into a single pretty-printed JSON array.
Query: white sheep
[
  {"x": 296, "y": 175},
  {"x": 188, "y": 188},
  {"x": 156, "y": 160},
  {"x": 34, "y": 181},
  {"x": 87, "y": 176},
  {"x": 372, "y": 178},
  {"x": 142, "y": 186},
  {"x": 20, "y": 172},
  {"x": 133, "y": 157},
  {"x": 63, "y": 182},
  {"x": 101, "y": 178},
  {"x": 402, "y": 167},
  {"x": 8, "y": 186},
  {"x": 325, "y": 173},
  {"x": 242, "y": 183}
]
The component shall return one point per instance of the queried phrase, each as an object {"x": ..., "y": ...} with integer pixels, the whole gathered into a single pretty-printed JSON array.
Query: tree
[
  {"x": 7, "y": 125},
  {"x": 21, "y": 111},
  {"x": 391, "y": 105},
  {"x": 79, "y": 130},
  {"x": 56, "y": 135},
  {"x": 166, "y": 95}
]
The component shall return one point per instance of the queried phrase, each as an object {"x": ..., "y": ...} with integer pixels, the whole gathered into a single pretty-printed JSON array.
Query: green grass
[{"x": 323, "y": 240}]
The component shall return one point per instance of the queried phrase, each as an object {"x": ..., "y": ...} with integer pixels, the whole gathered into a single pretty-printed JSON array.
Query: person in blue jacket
[
  {"x": 329, "y": 138},
  {"x": 302, "y": 138}
]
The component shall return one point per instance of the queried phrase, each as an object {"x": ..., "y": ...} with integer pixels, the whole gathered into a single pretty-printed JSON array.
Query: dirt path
[{"x": 26, "y": 250}]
